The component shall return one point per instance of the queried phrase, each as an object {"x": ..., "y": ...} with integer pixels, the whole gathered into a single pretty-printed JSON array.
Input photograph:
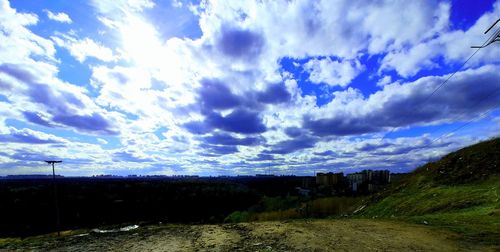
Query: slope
[{"x": 460, "y": 192}]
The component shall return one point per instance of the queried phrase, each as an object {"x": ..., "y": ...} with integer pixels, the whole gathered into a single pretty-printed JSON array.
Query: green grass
[
  {"x": 460, "y": 192},
  {"x": 283, "y": 208}
]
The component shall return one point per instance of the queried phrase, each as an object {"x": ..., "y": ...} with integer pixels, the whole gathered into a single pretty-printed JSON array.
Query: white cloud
[
  {"x": 102, "y": 141},
  {"x": 59, "y": 17},
  {"x": 18, "y": 42},
  {"x": 384, "y": 81},
  {"x": 85, "y": 48},
  {"x": 405, "y": 104},
  {"x": 146, "y": 86},
  {"x": 333, "y": 72},
  {"x": 452, "y": 45}
]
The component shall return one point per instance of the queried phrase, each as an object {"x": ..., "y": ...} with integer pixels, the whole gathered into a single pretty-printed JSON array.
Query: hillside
[{"x": 460, "y": 192}]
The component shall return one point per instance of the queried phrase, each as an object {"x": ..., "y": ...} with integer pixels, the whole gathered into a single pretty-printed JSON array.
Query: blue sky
[{"x": 243, "y": 87}]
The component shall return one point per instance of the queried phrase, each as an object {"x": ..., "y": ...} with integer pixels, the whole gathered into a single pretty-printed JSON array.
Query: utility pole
[
  {"x": 56, "y": 203},
  {"x": 495, "y": 37}
]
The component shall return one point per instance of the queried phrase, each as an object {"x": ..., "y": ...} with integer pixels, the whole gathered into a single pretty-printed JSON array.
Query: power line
[
  {"x": 482, "y": 99},
  {"x": 447, "y": 79},
  {"x": 463, "y": 125},
  {"x": 478, "y": 102},
  {"x": 446, "y": 134}
]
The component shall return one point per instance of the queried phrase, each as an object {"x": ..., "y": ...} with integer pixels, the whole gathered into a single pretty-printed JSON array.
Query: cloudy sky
[{"x": 243, "y": 87}]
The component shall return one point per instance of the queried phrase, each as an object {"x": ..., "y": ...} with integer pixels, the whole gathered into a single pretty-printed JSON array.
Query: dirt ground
[{"x": 296, "y": 235}]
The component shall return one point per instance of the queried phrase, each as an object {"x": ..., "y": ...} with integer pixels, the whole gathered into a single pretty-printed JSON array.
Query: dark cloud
[
  {"x": 217, "y": 150},
  {"x": 339, "y": 126},
  {"x": 216, "y": 95},
  {"x": 17, "y": 72},
  {"x": 239, "y": 121},
  {"x": 238, "y": 43},
  {"x": 129, "y": 157},
  {"x": 91, "y": 123},
  {"x": 289, "y": 146},
  {"x": 34, "y": 117},
  {"x": 227, "y": 139},
  {"x": 197, "y": 127},
  {"x": 325, "y": 153},
  {"x": 26, "y": 155},
  {"x": 54, "y": 102},
  {"x": 265, "y": 157},
  {"x": 275, "y": 93},
  {"x": 372, "y": 147},
  {"x": 332, "y": 154},
  {"x": 57, "y": 105},
  {"x": 403, "y": 149},
  {"x": 294, "y": 131},
  {"x": 25, "y": 137},
  {"x": 41, "y": 93},
  {"x": 465, "y": 96}
]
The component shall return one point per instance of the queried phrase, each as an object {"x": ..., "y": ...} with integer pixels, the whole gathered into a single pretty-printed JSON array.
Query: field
[{"x": 296, "y": 235}]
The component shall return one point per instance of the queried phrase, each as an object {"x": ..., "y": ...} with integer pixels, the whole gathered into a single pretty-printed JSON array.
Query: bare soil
[{"x": 296, "y": 235}]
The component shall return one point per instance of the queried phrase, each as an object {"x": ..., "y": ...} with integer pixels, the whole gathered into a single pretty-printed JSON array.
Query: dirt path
[{"x": 297, "y": 235}]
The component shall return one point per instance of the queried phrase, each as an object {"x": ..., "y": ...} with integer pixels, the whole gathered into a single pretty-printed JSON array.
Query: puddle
[{"x": 123, "y": 229}]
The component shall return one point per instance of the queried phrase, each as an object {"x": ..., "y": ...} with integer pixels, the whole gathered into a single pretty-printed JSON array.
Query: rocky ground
[{"x": 297, "y": 235}]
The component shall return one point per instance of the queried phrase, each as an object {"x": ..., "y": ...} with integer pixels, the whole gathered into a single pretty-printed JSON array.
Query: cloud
[
  {"x": 229, "y": 92},
  {"x": 65, "y": 108},
  {"x": 227, "y": 139},
  {"x": 239, "y": 43},
  {"x": 215, "y": 95},
  {"x": 94, "y": 123},
  {"x": 401, "y": 105},
  {"x": 265, "y": 157},
  {"x": 294, "y": 131},
  {"x": 239, "y": 121},
  {"x": 274, "y": 94},
  {"x": 333, "y": 72},
  {"x": 27, "y": 155},
  {"x": 28, "y": 136},
  {"x": 59, "y": 17},
  {"x": 384, "y": 81},
  {"x": 18, "y": 73},
  {"x": 124, "y": 156},
  {"x": 85, "y": 48},
  {"x": 290, "y": 146},
  {"x": 451, "y": 45},
  {"x": 332, "y": 154},
  {"x": 197, "y": 127},
  {"x": 36, "y": 118},
  {"x": 211, "y": 150}
]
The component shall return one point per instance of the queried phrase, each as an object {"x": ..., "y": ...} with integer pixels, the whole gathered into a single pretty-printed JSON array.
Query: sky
[{"x": 243, "y": 87}]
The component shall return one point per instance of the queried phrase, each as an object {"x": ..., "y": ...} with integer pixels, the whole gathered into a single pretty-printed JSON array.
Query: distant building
[
  {"x": 368, "y": 180},
  {"x": 308, "y": 182},
  {"x": 329, "y": 179},
  {"x": 264, "y": 175}
]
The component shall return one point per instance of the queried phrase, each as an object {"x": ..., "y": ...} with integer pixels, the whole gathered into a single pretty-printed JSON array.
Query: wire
[
  {"x": 463, "y": 125},
  {"x": 479, "y": 101},
  {"x": 446, "y": 134},
  {"x": 445, "y": 81}
]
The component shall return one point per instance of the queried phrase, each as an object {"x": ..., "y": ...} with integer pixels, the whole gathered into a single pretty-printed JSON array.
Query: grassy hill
[{"x": 460, "y": 192}]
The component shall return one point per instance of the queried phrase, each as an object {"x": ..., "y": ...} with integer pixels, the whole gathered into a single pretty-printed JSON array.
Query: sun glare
[{"x": 140, "y": 42}]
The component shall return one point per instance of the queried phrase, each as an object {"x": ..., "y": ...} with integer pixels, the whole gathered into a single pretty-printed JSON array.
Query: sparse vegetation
[
  {"x": 283, "y": 208},
  {"x": 460, "y": 192}
]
